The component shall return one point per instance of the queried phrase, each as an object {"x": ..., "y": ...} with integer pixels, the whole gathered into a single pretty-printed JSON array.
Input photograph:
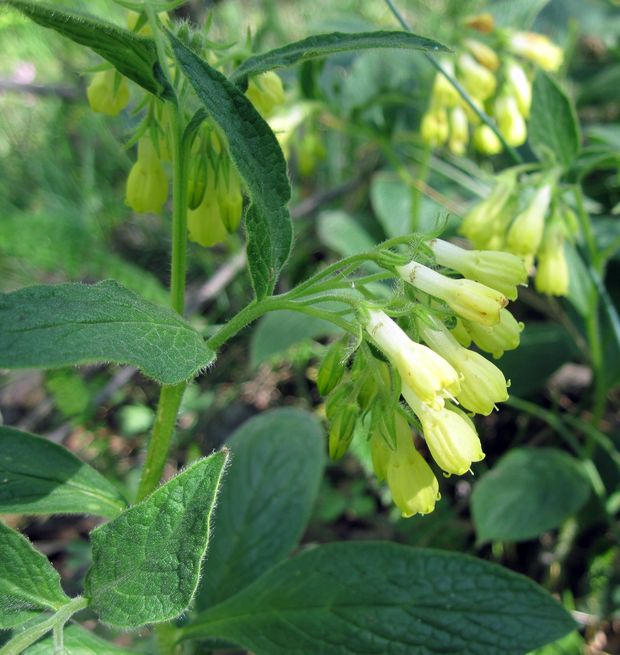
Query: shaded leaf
[
  {"x": 78, "y": 641},
  {"x": 343, "y": 234}
]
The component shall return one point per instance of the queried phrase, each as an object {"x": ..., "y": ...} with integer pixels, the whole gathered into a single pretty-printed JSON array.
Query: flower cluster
[
  {"x": 497, "y": 77},
  {"x": 529, "y": 218},
  {"x": 427, "y": 361}
]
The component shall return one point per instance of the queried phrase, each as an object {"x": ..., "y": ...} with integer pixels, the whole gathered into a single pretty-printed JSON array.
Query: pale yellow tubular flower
[
  {"x": 482, "y": 383},
  {"x": 412, "y": 483},
  {"x": 470, "y": 300},
  {"x": 380, "y": 454},
  {"x": 204, "y": 224},
  {"x": 486, "y": 141},
  {"x": 483, "y": 54},
  {"x": 552, "y": 274},
  {"x": 459, "y": 132},
  {"x": 443, "y": 93},
  {"x": 537, "y": 48},
  {"x": 418, "y": 366},
  {"x": 506, "y": 335},
  {"x": 501, "y": 271},
  {"x": 266, "y": 92},
  {"x": 520, "y": 86},
  {"x": 147, "y": 185},
  {"x": 460, "y": 333},
  {"x": 510, "y": 121},
  {"x": 526, "y": 232},
  {"x": 478, "y": 80},
  {"x": 108, "y": 93},
  {"x": 451, "y": 438},
  {"x": 434, "y": 128}
]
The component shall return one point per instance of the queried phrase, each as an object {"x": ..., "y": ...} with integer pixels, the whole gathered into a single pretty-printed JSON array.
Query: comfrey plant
[{"x": 203, "y": 128}]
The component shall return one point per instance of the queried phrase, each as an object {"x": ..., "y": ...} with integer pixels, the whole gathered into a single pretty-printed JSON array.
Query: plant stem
[
  {"x": 416, "y": 196},
  {"x": 485, "y": 118}
]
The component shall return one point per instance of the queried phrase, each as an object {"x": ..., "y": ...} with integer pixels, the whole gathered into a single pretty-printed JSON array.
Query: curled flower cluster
[
  {"x": 497, "y": 78},
  {"x": 530, "y": 219},
  {"x": 428, "y": 363}
]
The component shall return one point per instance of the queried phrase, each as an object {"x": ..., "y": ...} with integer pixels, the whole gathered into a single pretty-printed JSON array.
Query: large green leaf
[
  {"x": 78, "y": 641},
  {"x": 279, "y": 331},
  {"x": 146, "y": 563},
  {"x": 553, "y": 128},
  {"x": 59, "y": 325},
  {"x": 266, "y": 499},
  {"x": 256, "y": 153},
  {"x": 322, "y": 45},
  {"x": 38, "y": 476},
  {"x": 377, "y": 598},
  {"x": 529, "y": 491},
  {"x": 27, "y": 580},
  {"x": 132, "y": 55},
  {"x": 342, "y": 233}
]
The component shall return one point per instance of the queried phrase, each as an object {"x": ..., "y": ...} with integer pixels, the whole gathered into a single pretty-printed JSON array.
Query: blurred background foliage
[{"x": 62, "y": 218}]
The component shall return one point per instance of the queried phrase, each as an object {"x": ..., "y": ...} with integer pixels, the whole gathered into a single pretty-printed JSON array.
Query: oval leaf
[
  {"x": 529, "y": 491},
  {"x": 27, "y": 580},
  {"x": 256, "y": 153},
  {"x": 377, "y": 598},
  {"x": 265, "y": 501},
  {"x": 146, "y": 563},
  {"x": 59, "y": 325},
  {"x": 132, "y": 55},
  {"x": 322, "y": 45},
  {"x": 38, "y": 476}
]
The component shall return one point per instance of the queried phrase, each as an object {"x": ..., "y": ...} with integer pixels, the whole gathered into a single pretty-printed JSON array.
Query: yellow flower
[
  {"x": 485, "y": 55},
  {"x": 509, "y": 120},
  {"x": 432, "y": 378},
  {"x": 460, "y": 333},
  {"x": 477, "y": 79},
  {"x": 147, "y": 184},
  {"x": 204, "y": 224},
  {"x": 469, "y": 299},
  {"x": 434, "y": 128},
  {"x": 537, "y": 48},
  {"x": 444, "y": 94},
  {"x": 459, "y": 133},
  {"x": 552, "y": 275},
  {"x": 520, "y": 86},
  {"x": 482, "y": 383},
  {"x": 486, "y": 141},
  {"x": 451, "y": 438},
  {"x": 266, "y": 92},
  {"x": 506, "y": 335},
  {"x": 526, "y": 231},
  {"x": 108, "y": 93}
]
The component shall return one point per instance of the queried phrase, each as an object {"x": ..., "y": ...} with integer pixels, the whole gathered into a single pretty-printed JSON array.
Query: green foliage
[
  {"x": 134, "y": 56},
  {"x": 265, "y": 501},
  {"x": 146, "y": 563},
  {"x": 255, "y": 152},
  {"x": 530, "y": 490},
  {"x": 343, "y": 234},
  {"x": 78, "y": 641},
  {"x": 59, "y": 325},
  {"x": 41, "y": 477},
  {"x": 28, "y": 583},
  {"x": 350, "y": 598}
]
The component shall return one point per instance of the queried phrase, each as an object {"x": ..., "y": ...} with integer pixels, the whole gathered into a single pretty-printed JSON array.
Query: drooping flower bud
[
  {"x": 526, "y": 231},
  {"x": 482, "y": 384},
  {"x": 537, "y": 48},
  {"x": 108, "y": 93},
  {"x": 341, "y": 430},
  {"x": 520, "y": 86},
  {"x": 452, "y": 440},
  {"x": 443, "y": 93},
  {"x": 469, "y": 299},
  {"x": 477, "y": 79},
  {"x": 506, "y": 335},
  {"x": 231, "y": 199},
  {"x": 266, "y": 92},
  {"x": 204, "y": 224},
  {"x": 332, "y": 368},
  {"x": 483, "y": 54},
  {"x": 459, "y": 133},
  {"x": 482, "y": 22},
  {"x": 510, "y": 121},
  {"x": 197, "y": 182},
  {"x": 147, "y": 184},
  {"x": 434, "y": 128},
  {"x": 502, "y": 271},
  {"x": 552, "y": 275},
  {"x": 486, "y": 141}
]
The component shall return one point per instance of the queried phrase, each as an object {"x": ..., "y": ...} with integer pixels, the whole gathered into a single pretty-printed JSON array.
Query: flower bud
[
  {"x": 434, "y": 128},
  {"x": 147, "y": 184},
  {"x": 520, "y": 86},
  {"x": 452, "y": 440},
  {"x": 552, "y": 276},
  {"x": 266, "y": 92},
  {"x": 526, "y": 231},
  {"x": 486, "y": 141},
  {"x": 108, "y": 93},
  {"x": 537, "y": 48},
  {"x": 482, "y": 383},
  {"x": 332, "y": 368},
  {"x": 380, "y": 453},
  {"x": 482, "y": 22},
  {"x": 432, "y": 378},
  {"x": 459, "y": 133},
  {"x": 197, "y": 182},
  {"x": 483, "y": 54},
  {"x": 444, "y": 94},
  {"x": 204, "y": 224},
  {"x": 231, "y": 199},
  {"x": 501, "y": 271},
  {"x": 469, "y": 299},
  {"x": 506, "y": 335},
  {"x": 477, "y": 79},
  {"x": 341, "y": 430},
  {"x": 509, "y": 120}
]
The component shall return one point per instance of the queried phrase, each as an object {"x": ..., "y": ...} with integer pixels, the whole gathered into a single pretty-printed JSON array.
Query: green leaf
[
  {"x": 553, "y": 128},
  {"x": 256, "y": 153},
  {"x": 375, "y": 598},
  {"x": 132, "y": 55},
  {"x": 78, "y": 641},
  {"x": 12, "y": 618},
  {"x": 322, "y": 45},
  {"x": 27, "y": 580},
  {"x": 59, "y": 325},
  {"x": 265, "y": 501},
  {"x": 580, "y": 286},
  {"x": 279, "y": 331},
  {"x": 529, "y": 491},
  {"x": 38, "y": 476},
  {"x": 146, "y": 563},
  {"x": 343, "y": 234}
]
